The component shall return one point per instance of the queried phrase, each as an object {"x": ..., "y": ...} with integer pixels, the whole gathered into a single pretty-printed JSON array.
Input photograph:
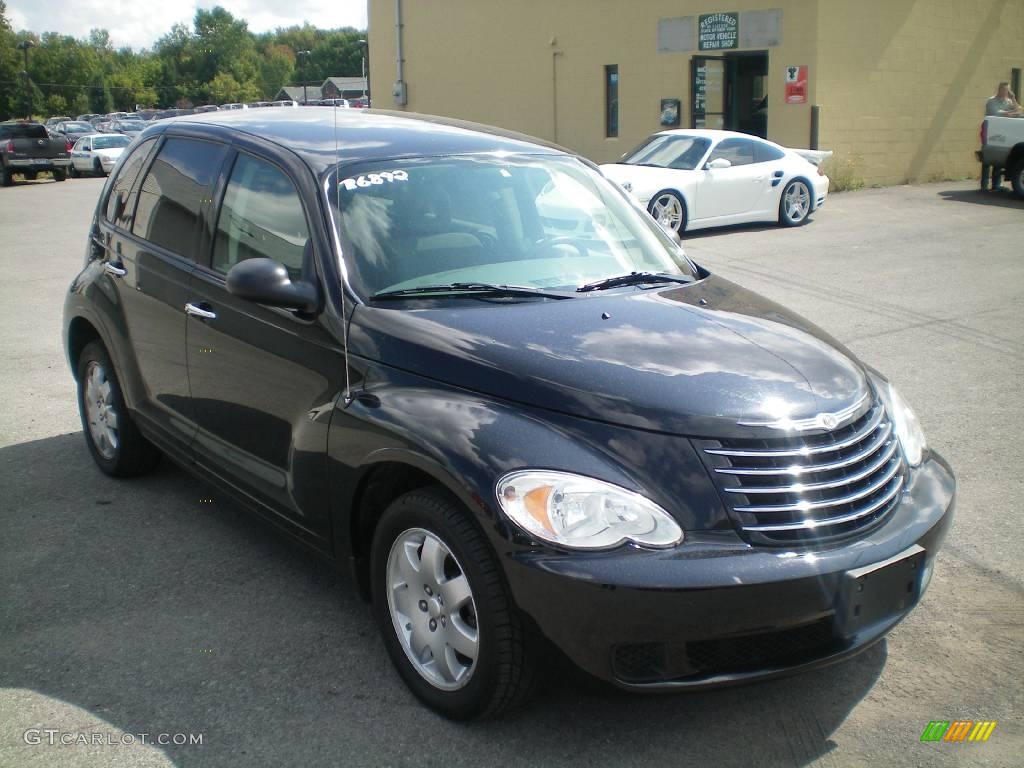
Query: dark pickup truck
[{"x": 27, "y": 148}]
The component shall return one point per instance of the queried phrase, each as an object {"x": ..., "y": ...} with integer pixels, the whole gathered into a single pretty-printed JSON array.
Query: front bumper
[{"x": 716, "y": 610}]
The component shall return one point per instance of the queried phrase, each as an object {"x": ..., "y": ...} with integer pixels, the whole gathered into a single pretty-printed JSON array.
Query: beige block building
[{"x": 899, "y": 85}]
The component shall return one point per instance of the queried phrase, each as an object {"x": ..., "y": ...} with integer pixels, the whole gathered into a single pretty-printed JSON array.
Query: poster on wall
[
  {"x": 796, "y": 85},
  {"x": 718, "y": 31},
  {"x": 670, "y": 109}
]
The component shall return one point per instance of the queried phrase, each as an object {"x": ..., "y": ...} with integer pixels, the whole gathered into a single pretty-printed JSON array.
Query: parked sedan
[
  {"x": 71, "y": 130},
  {"x": 130, "y": 128},
  {"x": 692, "y": 179},
  {"x": 516, "y": 432},
  {"x": 97, "y": 153}
]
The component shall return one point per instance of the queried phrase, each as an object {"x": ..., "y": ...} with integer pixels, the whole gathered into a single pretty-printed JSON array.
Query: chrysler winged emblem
[{"x": 783, "y": 421}]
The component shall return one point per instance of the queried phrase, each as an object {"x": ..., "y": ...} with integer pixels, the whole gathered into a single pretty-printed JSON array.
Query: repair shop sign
[
  {"x": 718, "y": 31},
  {"x": 796, "y": 85}
]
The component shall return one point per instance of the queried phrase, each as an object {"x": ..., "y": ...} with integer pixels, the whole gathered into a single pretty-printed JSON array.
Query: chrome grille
[{"x": 800, "y": 488}]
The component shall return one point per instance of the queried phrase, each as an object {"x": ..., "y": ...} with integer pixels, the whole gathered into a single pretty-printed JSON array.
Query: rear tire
[
  {"x": 29, "y": 176},
  {"x": 1017, "y": 179},
  {"x": 116, "y": 445},
  {"x": 438, "y": 588},
  {"x": 795, "y": 204},
  {"x": 6, "y": 177},
  {"x": 58, "y": 175}
]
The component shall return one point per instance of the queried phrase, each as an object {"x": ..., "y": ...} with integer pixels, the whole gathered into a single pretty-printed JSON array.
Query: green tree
[{"x": 9, "y": 66}]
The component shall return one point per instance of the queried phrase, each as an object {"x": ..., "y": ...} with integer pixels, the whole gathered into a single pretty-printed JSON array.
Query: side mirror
[
  {"x": 718, "y": 162},
  {"x": 266, "y": 281}
]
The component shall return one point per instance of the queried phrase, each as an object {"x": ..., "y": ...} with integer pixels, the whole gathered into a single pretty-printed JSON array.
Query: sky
[{"x": 139, "y": 23}]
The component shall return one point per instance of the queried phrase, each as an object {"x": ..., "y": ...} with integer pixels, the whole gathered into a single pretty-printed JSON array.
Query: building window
[{"x": 611, "y": 100}]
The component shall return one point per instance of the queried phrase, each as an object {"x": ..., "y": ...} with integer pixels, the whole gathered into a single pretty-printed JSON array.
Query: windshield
[
  {"x": 77, "y": 127},
  {"x": 682, "y": 153},
  {"x": 131, "y": 125},
  {"x": 543, "y": 222},
  {"x": 110, "y": 142}
]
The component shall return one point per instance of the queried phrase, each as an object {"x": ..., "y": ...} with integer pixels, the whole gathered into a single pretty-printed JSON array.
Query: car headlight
[
  {"x": 583, "y": 513},
  {"x": 904, "y": 420}
]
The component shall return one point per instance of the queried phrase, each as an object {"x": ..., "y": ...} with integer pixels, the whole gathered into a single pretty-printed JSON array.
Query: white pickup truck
[{"x": 1002, "y": 144}]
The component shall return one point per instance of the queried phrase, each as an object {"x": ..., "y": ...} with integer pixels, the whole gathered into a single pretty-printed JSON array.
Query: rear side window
[
  {"x": 121, "y": 202},
  {"x": 261, "y": 217},
  {"x": 764, "y": 153},
  {"x": 24, "y": 131},
  {"x": 173, "y": 193}
]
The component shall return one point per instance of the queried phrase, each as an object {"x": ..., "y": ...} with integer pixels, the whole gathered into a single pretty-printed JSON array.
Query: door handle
[
  {"x": 115, "y": 270},
  {"x": 198, "y": 311}
]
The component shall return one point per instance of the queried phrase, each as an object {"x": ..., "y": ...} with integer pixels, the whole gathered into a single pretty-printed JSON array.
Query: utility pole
[
  {"x": 23, "y": 46},
  {"x": 303, "y": 55},
  {"x": 366, "y": 80}
]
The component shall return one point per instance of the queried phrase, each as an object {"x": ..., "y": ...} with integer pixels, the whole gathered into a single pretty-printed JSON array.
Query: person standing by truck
[{"x": 1002, "y": 104}]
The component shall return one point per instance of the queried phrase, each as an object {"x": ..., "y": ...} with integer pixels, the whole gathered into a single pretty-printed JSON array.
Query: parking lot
[{"x": 136, "y": 607}]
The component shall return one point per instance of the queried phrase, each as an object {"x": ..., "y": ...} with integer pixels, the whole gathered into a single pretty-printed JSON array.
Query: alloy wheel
[
  {"x": 100, "y": 412},
  {"x": 797, "y": 202},
  {"x": 432, "y": 609},
  {"x": 667, "y": 211}
]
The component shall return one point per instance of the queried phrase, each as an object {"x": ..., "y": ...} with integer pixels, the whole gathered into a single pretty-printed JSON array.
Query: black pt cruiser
[{"x": 465, "y": 364}]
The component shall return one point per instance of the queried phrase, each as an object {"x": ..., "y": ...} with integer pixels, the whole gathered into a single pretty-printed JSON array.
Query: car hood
[
  {"x": 662, "y": 360},
  {"x": 111, "y": 154},
  {"x": 645, "y": 177}
]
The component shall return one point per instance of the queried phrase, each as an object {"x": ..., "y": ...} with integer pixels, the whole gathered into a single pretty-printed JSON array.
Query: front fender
[{"x": 465, "y": 441}]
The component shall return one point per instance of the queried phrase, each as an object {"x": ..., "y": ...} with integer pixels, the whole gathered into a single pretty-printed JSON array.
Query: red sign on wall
[{"x": 796, "y": 85}]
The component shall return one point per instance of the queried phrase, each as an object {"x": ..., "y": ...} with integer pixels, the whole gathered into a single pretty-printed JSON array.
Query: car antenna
[{"x": 347, "y": 394}]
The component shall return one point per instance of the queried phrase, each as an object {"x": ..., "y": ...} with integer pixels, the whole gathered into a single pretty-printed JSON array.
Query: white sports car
[{"x": 692, "y": 179}]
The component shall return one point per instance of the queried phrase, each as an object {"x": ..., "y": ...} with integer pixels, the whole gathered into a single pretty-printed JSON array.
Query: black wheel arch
[{"x": 383, "y": 477}]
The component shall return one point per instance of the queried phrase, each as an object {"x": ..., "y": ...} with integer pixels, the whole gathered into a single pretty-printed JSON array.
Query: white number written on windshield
[{"x": 371, "y": 179}]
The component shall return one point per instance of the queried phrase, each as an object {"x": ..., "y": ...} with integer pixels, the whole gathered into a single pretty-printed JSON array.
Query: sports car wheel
[
  {"x": 669, "y": 210},
  {"x": 795, "y": 204}
]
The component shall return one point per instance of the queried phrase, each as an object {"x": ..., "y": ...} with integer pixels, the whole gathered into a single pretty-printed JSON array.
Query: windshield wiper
[
  {"x": 633, "y": 278},
  {"x": 467, "y": 289}
]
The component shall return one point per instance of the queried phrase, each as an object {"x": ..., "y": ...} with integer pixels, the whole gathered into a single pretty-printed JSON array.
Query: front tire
[
  {"x": 97, "y": 168},
  {"x": 795, "y": 204},
  {"x": 58, "y": 175},
  {"x": 445, "y": 614},
  {"x": 72, "y": 171},
  {"x": 115, "y": 443},
  {"x": 6, "y": 177},
  {"x": 669, "y": 210}
]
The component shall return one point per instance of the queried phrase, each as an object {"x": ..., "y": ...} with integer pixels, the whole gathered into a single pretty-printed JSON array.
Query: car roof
[
  {"x": 709, "y": 133},
  {"x": 323, "y": 136}
]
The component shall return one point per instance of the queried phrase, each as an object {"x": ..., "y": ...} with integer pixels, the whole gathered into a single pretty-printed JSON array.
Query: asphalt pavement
[{"x": 137, "y": 607}]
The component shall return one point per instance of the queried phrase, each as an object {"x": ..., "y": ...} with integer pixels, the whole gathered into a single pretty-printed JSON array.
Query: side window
[
  {"x": 261, "y": 216},
  {"x": 736, "y": 151},
  {"x": 121, "y": 202},
  {"x": 173, "y": 192},
  {"x": 766, "y": 153}
]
